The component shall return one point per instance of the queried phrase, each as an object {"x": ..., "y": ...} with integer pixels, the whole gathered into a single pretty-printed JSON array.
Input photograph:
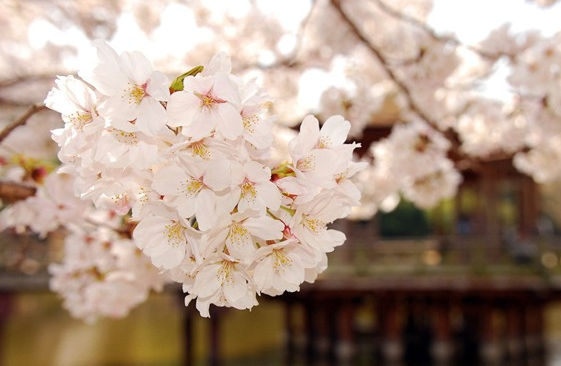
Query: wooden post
[
  {"x": 490, "y": 349},
  {"x": 534, "y": 323},
  {"x": 442, "y": 347},
  {"x": 6, "y": 299},
  {"x": 214, "y": 356},
  {"x": 188, "y": 338},
  {"x": 514, "y": 329},
  {"x": 345, "y": 349},
  {"x": 392, "y": 347}
]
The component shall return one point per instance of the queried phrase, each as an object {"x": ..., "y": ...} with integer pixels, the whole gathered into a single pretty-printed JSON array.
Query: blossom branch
[
  {"x": 12, "y": 191},
  {"x": 430, "y": 31},
  {"x": 413, "y": 106},
  {"x": 25, "y": 79},
  {"x": 22, "y": 120}
]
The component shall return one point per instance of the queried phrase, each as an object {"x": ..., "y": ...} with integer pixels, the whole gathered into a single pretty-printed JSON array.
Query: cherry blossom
[
  {"x": 200, "y": 174},
  {"x": 207, "y": 104},
  {"x": 133, "y": 88}
]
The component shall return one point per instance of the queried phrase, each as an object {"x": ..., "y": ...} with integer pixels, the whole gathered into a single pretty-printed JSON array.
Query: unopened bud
[{"x": 177, "y": 84}]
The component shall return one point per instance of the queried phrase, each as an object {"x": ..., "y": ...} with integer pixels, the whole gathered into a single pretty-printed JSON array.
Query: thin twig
[
  {"x": 413, "y": 106},
  {"x": 22, "y": 120}
]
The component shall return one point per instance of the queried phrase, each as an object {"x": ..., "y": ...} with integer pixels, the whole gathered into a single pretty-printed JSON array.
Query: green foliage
[{"x": 405, "y": 221}]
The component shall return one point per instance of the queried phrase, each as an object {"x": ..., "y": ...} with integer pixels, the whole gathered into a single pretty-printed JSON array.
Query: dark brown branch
[
  {"x": 12, "y": 191},
  {"x": 413, "y": 106},
  {"x": 22, "y": 120}
]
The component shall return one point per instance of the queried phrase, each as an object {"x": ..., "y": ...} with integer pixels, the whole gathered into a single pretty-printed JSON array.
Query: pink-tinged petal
[
  {"x": 170, "y": 259},
  {"x": 198, "y": 84},
  {"x": 264, "y": 227},
  {"x": 263, "y": 275},
  {"x": 203, "y": 306},
  {"x": 236, "y": 288},
  {"x": 306, "y": 140},
  {"x": 291, "y": 185},
  {"x": 350, "y": 190},
  {"x": 207, "y": 281},
  {"x": 185, "y": 206},
  {"x": 167, "y": 181},
  {"x": 106, "y": 75},
  {"x": 151, "y": 117},
  {"x": 293, "y": 274},
  {"x": 226, "y": 89},
  {"x": 257, "y": 172},
  {"x": 227, "y": 202},
  {"x": 335, "y": 131},
  {"x": 181, "y": 108},
  {"x": 117, "y": 115},
  {"x": 205, "y": 208},
  {"x": 218, "y": 174},
  {"x": 239, "y": 242},
  {"x": 219, "y": 63},
  {"x": 144, "y": 156},
  {"x": 70, "y": 96},
  {"x": 158, "y": 86},
  {"x": 136, "y": 66},
  {"x": 331, "y": 239},
  {"x": 269, "y": 193},
  {"x": 202, "y": 126},
  {"x": 229, "y": 121},
  {"x": 320, "y": 162}
]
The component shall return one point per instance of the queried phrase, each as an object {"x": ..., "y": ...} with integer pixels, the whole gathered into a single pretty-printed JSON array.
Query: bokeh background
[{"x": 310, "y": 60}]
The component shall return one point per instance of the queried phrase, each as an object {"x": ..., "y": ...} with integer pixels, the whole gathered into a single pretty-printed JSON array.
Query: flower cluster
[
  {"x": 411, "y": 161},
  {"x": 190, "y": 164},
  {"x": 102, "y": 275}
]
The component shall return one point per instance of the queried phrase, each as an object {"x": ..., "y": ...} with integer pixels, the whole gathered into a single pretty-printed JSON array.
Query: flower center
[
  {"x": 135, "y": 93},
  {"x": 200, "y": 149},
  {"x": 191, "y": 186},
  {"x": 175, "y": 233},
  {"x": 314, "y": 225},
  {"x": 208, "y": 101},
  {"x": 80, "y": 119},
  {"x": 307, "y": 164},
  {"x": 325, "y": 143},
  {"x": 281, "y": 261},
  {"x": 249, "y": 123},
  {"x": 225, "y": 272},
  {"x": 237, "y": 233},
  {"x": 248, "y": 191},
  {"x": 129, "y": 138}
]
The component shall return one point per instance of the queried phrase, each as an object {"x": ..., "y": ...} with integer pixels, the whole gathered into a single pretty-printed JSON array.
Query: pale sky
[{"x": 473, "y": 19}]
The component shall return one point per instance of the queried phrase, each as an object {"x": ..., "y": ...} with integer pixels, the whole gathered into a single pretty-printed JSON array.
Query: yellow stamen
[
  {"x": 80, "y": 119},
  {"x": 134, "y": 93},
  {"x": 175, "y": 234},
  {"x": 249, "y": 123},
  {"x": 325, "y": 143},
  {"x": 248, "y": 191},
  {"x": 307, "y": 164},
  {"x": 316, "y": 226},
  {"x": 224, "y": 274},
  {"x": 281, "y": 261},
  {"x": 200, "y": 149},
  {"x": 129, "y": 138},
  {"x": 191, "y": 186},
  {"x": 237, "y": 234}
]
